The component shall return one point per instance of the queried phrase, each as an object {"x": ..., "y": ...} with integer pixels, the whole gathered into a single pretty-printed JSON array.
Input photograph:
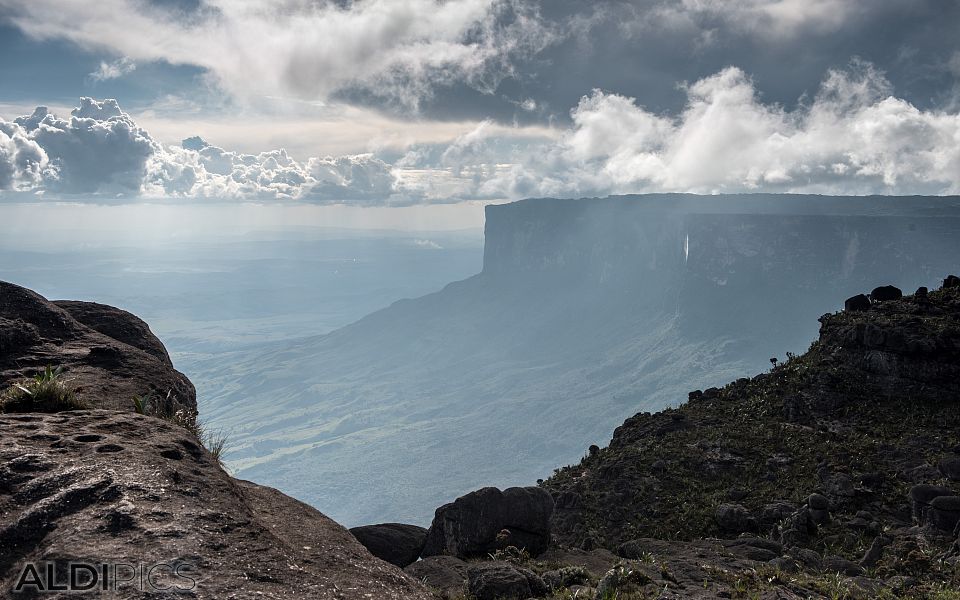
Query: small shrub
[
  {"x": 47, "y": 392},
  {"x": 574, "y": 575},
  {"x": 511, "y": 554}
]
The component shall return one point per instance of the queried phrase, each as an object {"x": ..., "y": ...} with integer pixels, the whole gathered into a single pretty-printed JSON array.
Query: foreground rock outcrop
[
  {"x": 108, "y": 355},
  {"x": 138, "y": 500},
  {"x": 107, "y": 486},
  {"x": 487, "y": 520}
]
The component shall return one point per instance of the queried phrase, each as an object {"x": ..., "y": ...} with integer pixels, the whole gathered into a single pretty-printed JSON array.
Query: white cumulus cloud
[
  {"x": 22, "y": 160},
  {"x": 854, "y": 137},
  {"x": 100, "y": 150}
]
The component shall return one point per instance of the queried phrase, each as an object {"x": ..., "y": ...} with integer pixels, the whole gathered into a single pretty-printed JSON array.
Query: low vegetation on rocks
[
  {"x": 47, "y": 392},
  {"x": 186, "y": 417}
]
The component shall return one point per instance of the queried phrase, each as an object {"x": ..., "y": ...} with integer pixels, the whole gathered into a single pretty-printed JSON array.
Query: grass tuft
[
  {"x": 216, "y": 442},
  {"x": 47, "y": 392}
]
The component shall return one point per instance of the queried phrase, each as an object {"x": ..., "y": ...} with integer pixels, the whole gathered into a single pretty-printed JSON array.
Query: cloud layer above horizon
[
  {"x": 854, "y": 136},
  {"x": 478, "y": 99}
]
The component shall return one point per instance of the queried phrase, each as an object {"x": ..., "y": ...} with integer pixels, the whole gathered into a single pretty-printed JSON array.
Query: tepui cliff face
[{"x": 585, "y": 312}]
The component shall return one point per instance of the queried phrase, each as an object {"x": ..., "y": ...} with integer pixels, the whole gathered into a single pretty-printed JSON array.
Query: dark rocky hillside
[{"x": 843, "y": 460}]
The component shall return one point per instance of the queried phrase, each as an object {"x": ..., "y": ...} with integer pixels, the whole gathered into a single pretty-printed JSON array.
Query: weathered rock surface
[
  {"x": 396, "y": 543},
  {"x": 487, "y": 520},
  {"x": 108, "y": 486},
  {"x": 107, "y": 354}
]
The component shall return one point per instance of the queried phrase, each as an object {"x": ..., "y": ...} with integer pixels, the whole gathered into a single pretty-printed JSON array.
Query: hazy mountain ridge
[{"x": 585, "y": 312}]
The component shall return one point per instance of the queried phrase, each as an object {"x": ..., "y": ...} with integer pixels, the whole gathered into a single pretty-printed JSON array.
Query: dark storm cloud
[
  {"x": 645, "y": 49},
  {"x": 511, "y": 60}
]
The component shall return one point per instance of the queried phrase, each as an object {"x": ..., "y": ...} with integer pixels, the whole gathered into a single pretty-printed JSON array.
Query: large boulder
[
  {"x": 886, "y": 293},
  {"x": 487, "y": 520},
  {"x": 856, "y": 303},
  {"x": 500, "y": 580},
  {"x": 117, "y": 324},
  {"x": 107, "y": 355},
  {"x": 396, "y": 543}
]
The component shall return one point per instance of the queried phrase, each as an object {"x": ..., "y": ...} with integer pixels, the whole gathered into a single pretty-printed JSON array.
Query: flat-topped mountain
[{"x": 585, "y": 312}]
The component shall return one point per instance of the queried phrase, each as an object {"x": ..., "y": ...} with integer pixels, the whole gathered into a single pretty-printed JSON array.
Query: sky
[{"x": 387, "y": 103}]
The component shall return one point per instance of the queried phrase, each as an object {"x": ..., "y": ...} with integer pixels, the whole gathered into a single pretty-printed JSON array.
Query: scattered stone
[
  {"x": 396, "y": 543},
  {"x": 785, "y": 564},
  {"x": 777, "y": 511},
  {"x": 900, "y": 583},
  {"x": 810, "y": 558},
  {"x": 564, "y": 577},
  {"x": 447, "y": 574},
  {"x": 838, "y": 564},
  {"x": 818, "y": 502},
  {"x": 734, "y": 518},
  {"x": 839, "y": 487},
  {"x": 920, "y": 497},
  {"x": 875, "y": 552},
  {"x": 944, "y": 513}
]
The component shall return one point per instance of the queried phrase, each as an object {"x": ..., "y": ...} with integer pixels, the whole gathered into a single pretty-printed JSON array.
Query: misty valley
[{"x": 480, "y": 300}]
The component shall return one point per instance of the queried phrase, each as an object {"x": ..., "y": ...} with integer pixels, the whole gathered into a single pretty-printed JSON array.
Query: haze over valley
[{"x": 480, "y": 299}]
